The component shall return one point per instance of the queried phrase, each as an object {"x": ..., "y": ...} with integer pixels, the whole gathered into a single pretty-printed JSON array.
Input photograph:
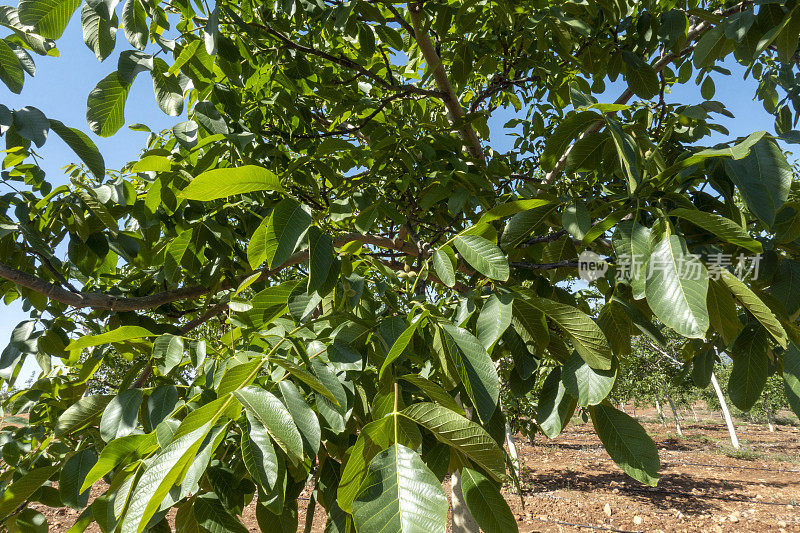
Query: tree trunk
[
  {"x": 694, "y": 413},
  {"x": 622, "y": 407},
  {"x": 512, "y": 449},
  {"x": 660, "y": 413},
  {"x": 768, "y": 412},
  {"x": 463, "y": 522},
  {"x": 674, "y": 412},
  {"x": 725, "y": 412}
]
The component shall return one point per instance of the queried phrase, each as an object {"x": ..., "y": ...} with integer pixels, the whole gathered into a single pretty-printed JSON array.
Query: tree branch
[{"x": 451, "y": 102}]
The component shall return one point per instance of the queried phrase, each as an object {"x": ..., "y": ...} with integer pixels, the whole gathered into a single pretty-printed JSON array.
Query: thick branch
[
  {"x": 544, "y": 266},
  {"x": 451, "y": 102}
]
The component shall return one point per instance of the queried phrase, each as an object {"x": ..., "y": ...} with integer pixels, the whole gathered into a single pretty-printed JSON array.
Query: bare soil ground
[{"x": 571, "y": 485}]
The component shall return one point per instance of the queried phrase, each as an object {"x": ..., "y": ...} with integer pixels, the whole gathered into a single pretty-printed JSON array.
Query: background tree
[{"x": 335, "y": 205}]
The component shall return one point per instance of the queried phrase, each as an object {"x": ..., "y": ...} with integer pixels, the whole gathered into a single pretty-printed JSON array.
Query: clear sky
[{"x": 62, "y": 84}]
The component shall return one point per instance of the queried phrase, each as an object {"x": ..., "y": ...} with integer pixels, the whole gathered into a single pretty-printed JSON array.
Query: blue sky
[{"x": 62, "y": 84}]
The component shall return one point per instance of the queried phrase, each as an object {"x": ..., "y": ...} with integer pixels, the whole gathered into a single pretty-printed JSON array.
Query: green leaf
[
  {"x": 750, "y": 367},
  {"x": 83, "y": 146},
  {"x": 99, "y": 34},
  {"x": 81, "y": 413},
  {"x": 627, "y": 443},
  {"x": 791, "y": 377},
  {"x": 320, "y": 257},
  {"x": 170, "y": 465},
  {"x": 134, "y": 23},
  {"x": 444, "y": 263},
  {"x": 214, "y": 518},
  {"x": 120, "y": 416},
  {"x": 641, "y": 78},
  {"x": 399, "y": 345},
  {"x": 186, "y": 53},
  {"x": 20, "y": 490},
  {"x": 576, "y": 219},
  {"x": 460, "y": 433},
  {"x": 587, "y": 152},
  {"x": 712, "y": 45},
  {"x": 167, "y": 89},
  {"x": 703, "y": 367},
  {"x": 555, "y": 406},
  {"x": 50, "y": 17},
  {"x": 274, "y": 416},
  {"x": 677, "y": 288},
  {"x": 483, "y": 256},
  {"x": 763, "y": 178},
  {"x": 433, "y": 391},
  {"x": 105, "y": 107},
  {"x": 587, "y": 385},
  {"x": 475, "y": 368},
  {"x": 306, "y": 377},
  {"x": 73, "y": 474},
  {"x": 494, "y": 319},
  {"x": 168, "y": 351},
  {"x": 631, "y": 243},
  {"x": 754, "y": 304},
  {"x": 486, "y": 504},
  {"x": 510, "y": 208},
  {"x": 400, "y": 495},
  {"x": 374, "y": 437},
  {"x": 569, "y": 129},
  {"x": 627, "y": 153},
  {"x": 11, "y": 71},
  {"x": 224, "y": 182},
  {"x": 278, "y": 235},
  {"x": 28, "y": 521},
  {"x": 721, "y": 227},
  {"x": 304, "y": 417},
  {"x": 207, "y": 116},
  {"x": 259, "y": 455},
  {"x": 585, "y": 334},
  {"x": 118, "y": 451}
]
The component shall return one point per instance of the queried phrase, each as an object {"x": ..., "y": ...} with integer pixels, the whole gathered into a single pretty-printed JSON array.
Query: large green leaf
[
  {"x": 169, "y": 466},
  {"x": 20, "y": 490},
  {"x": 81, "y": 413},
  {"x": 278, "y": 235},
  {"x": 641, "y": 78},
  {"x": 167, "y": 89},
  {"x": 631, "y": 243},
  {"x": 273, "y": 415},
  {"x": 474, "y": 366},
  {"x": 486, "y": 504},
  {"x": 120, "y": 334},
  {"x": 722, "y": 312},
  {"x": 320, "y": 257},
  {"x": 585, "y": 384},
  {"x": 763, "y": 178},
  {"x": 50, "y": 17},
  {"x": 444, "y": 263},
  {"x": 585, "y": 334},
  {"x": 304, "y": 417},
  {"x": 720, "y": 226},
  {"x": 117, "y": 451},
  {"x": 399, "y": 345},
  {"x": 494, "y": 319},
  {"x": 83, "y": 146},
  {"x": 750, "y": 367},
  {"x": 400, "y": 495},
  {"x": 568, "y": 130},
  {"x": 374, "y": 437},
  {"x": 168, "y": 351},
  {"x": 120, "y": 416},
  {"x": 433, "y": 391},
  {"x": 11, "y": 71},
  {"x": 460, "y": 433},
  {"x": 72, "y": 477},
  {"x": 627, "y": 443},
  {"x": 555, "y": 406},
  {"x": 677, "y": 288},
  {"x": 754, "y": 304},
  {"x": 224, "y": 182},
  {"x": 791, "y": 376},
  {"x": 134, "y": 23},
  {"x": 483, "y": 256},
  {"x": 214, "y": 518},
  {"x": 258, "y": 454},
  {"x": 105, "y": 107},
  {"x": 99, "y": 34}
]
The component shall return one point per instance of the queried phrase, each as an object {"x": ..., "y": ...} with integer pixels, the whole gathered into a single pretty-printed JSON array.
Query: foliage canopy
[{"x": 317, "y": 275}]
